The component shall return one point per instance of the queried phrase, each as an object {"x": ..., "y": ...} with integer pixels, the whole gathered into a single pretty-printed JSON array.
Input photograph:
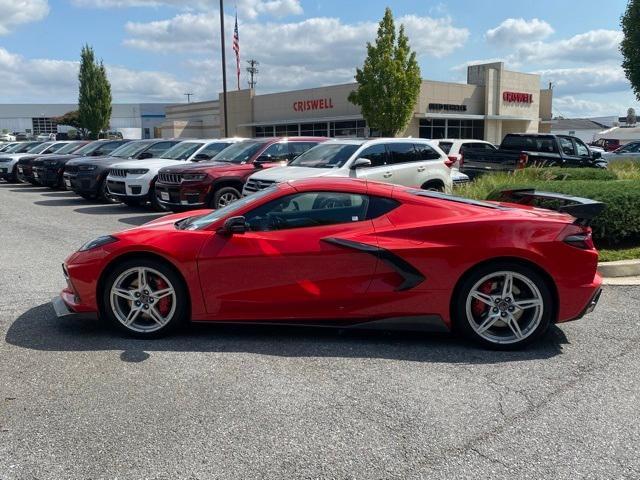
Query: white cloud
[
  {"x": 571, "y": 107},
  {"x": 593, "y": 79},
  {"x": 246, "y": 8},
  {"x": 589, "y": 47},
  {"x": 17, "y": 12},
  {"x": 518, "y": 30},
  {"x": 311, "y": 41},
  {"x": 31, "y": 80}
]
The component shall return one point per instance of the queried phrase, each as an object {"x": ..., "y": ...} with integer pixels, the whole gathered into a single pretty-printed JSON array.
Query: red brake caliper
[
  {"x": 478, "y": 307},
  {"x": 164, "y": 305}
]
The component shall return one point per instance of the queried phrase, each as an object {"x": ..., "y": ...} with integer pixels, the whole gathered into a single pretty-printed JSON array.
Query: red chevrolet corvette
[{"x": 350, "y": 253}]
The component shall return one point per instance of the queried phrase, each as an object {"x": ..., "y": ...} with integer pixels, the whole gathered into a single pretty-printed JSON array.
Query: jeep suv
[
  {"x": 219, "y": 182},
  {"x": 87, "y": 176},
  {"x": 411, "y": 162}
]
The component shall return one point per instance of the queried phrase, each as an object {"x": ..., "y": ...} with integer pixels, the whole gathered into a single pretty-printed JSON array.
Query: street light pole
[{"x": 224, "y": 69}]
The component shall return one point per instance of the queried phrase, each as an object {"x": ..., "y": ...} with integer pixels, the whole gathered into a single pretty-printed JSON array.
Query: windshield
[
  {"x": 239, "y": 153},
  {"x": 229, "y": 210},
  {"x": 68, "y": 148},
  {"x": 16, "y": 148},
  {"x": 55, "y": 148},
  {"x": 129, "y": 150},
  {"x": 181, "y": 151},
  {"x": 39, "y": 148},
  {"x": 326, "y": 156},
  {"x": 89, "y": 148}
]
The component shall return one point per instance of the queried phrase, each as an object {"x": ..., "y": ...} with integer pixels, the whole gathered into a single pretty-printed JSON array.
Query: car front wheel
[
  {"x": 225, "y": 196},
  {"x": 503, "y": 306},
  {"x": 145, "y": 298}
]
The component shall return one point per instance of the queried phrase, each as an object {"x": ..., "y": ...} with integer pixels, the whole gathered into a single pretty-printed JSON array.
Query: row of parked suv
[{"x": 189, "y": 174}]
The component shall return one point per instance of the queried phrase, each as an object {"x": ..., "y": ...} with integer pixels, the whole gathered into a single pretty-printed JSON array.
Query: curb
[
  {"x": 621, "y": 281},
  {"x": 621, "y": 268}
]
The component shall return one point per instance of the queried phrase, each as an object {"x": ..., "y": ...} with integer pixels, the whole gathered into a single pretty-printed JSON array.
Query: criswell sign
[{"x": 316, "y": 104}]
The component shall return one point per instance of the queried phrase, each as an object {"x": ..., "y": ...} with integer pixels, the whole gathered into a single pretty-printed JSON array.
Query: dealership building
[
  {"x": 133, "y": 120},
  {"x": 492, "y": 103}
]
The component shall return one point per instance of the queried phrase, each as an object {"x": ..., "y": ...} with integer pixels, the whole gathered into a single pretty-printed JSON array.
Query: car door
[
  {"x": 570, "y": 157},
  {"x": 630, "y": 151},
  {"x": 379, "y": 169},
  {"x": 287, "y": 264}
]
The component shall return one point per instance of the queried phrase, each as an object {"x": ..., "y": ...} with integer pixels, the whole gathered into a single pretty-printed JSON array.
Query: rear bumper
[{"x": 577, "y": 302}]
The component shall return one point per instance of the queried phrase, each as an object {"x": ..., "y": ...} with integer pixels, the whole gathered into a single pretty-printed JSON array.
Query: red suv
[{"x": 219, "y": 182}]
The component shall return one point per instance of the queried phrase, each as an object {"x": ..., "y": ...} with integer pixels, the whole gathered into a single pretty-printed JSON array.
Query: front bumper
[
  {"x": 127, "y": 189},
  {"x": 46, "y": 176},
  {"x": 82, "y": 182},
  {"x": 63, "y": 310},
  {"x": 6, "y": 170},
  {"x": 183, "y": 196}
]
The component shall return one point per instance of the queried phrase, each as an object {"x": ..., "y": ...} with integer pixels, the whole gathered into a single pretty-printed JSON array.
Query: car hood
[
  {"x": 106, "y": 161},
  {"x": 166, "y": 222},
  {"x": 204, "y": 167},
  {"x": 150, "y": 163},
  {"x": 281, "y": 174},
  {"x": 15, "y": 156},
  {"x": 56, "y": 158}
]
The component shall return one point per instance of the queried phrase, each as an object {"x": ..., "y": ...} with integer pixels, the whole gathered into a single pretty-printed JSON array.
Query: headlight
[
  {"x": 86, "y": 168},
  {"x": 98, "y": 242},
  {"x": 193, "y": 177},
  {"x": 138, "y": 171}
]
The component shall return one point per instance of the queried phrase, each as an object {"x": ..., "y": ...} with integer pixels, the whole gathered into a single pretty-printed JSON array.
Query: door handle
[
  {"x": 422, "y": 169},
  {"x": 387, "y": 175}
]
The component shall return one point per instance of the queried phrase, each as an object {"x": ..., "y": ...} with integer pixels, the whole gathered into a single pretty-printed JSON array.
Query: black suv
[
  {"x": 47, "y": 171},
  {"x": 87, "y": 176}
]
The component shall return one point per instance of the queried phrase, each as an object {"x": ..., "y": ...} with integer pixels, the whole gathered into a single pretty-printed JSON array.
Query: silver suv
[{"x": 411, "y": 162}]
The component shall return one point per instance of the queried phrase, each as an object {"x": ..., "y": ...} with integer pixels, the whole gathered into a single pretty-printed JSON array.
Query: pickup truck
[{"x": 520, "y": 150}]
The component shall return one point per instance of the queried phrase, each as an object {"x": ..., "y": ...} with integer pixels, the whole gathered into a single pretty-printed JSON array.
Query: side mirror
[
  {"x": 201, "y": 157},
  {"x": 596, "y": 155},
  {"x": 361, "y": 163},
  {"x": 233, "y": 225},
  {"x": 144, "y": 155}
]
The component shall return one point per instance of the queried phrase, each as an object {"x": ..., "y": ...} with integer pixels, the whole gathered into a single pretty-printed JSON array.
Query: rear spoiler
[{"x": 583, "y": 209}]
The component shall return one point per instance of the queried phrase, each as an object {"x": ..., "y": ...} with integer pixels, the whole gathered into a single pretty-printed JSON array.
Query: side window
[
  {"x": 159, "y": 148},
  {"x": 308, "y": 209},
  {"x": 376, "y": 153},
  {"x": 213, "y": 149},
  {"x": 379, "y": 206},
  {"x": 277, "y": 152},
  {"x": 425, "y": 152},
  {"x": 567, "y": 146},
  {"x": 582, "y": 149},
  {"x": 401, "y": 153},
  {"x": 298, "y": 148}
]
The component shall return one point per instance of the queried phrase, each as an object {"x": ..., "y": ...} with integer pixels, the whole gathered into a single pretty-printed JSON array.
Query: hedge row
[{"x": 620, "y": 221}]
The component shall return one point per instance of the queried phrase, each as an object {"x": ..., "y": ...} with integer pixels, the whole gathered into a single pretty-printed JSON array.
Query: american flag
[{"x": 236, "y": 48}]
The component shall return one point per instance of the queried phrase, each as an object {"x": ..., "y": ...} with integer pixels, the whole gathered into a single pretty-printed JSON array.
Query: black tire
[
  {"x": 13, "y": 178},
  {"x": 131, "y": 202},
  {"x": 103, "y": 193},
  {"x": 223, "y": 196},
  {"x": 87, "y": 196},
  {"x": 434, "y": 187},
  {"x": 175, "y": 318},
  {"x": 532, "y": 322},
  {"x": 154, "y": 202}
]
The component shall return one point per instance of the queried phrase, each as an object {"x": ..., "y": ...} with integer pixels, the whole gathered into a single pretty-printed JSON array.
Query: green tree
[
  {"x": 389, "y": 81},
  {"x": 94, "y": 100},
  {"x": 630, "y": 45},
  {"x": 71, "y": 119}
]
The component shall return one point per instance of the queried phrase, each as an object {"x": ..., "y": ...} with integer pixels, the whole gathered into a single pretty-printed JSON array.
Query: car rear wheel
[
  {"x": 503, "y": 306},
  {"x": 145, "y": 298},
  {"x": 225, "y": 196}
]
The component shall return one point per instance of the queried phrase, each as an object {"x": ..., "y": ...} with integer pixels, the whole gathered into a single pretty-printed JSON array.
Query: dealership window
[
  {"x": 44, "y": 125},
  {"x": 353, "y": 128},
  {"x": 437, "y": 128},
  {"x": 313, "y": 129}
]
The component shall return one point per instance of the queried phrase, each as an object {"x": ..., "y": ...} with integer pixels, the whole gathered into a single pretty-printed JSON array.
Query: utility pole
[
  {"x": 224, "y": 70},
  {"x": 188, "y": 95},
  {"x": 252, "y": 69}
]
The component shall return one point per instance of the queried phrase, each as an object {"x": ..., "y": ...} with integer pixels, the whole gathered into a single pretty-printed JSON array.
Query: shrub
[
  {"x": 625, "y": 169},
  {"x": 620, "y": 221}
]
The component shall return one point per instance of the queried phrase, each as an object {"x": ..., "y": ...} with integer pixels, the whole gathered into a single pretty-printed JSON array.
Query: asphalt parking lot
[{"x": 79, "y": 401}]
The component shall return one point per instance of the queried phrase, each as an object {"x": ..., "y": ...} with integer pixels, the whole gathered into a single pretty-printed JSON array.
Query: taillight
[
  {"x": 450, "y": 161},
  {"x": 580, "y": 237},
  {"x": 522, "y": 161},
  {"x": 461, "y": 161}
]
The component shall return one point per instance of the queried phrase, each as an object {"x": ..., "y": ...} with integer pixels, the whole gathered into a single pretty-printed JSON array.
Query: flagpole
[{"x": 224, "y": 69}]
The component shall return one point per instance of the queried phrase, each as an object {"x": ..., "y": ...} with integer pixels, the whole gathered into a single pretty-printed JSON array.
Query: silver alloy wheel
[
  {"x": 504, "y": 307},
  {"x": 227, "y": 199},
  {"x": 136, "y": 297}
]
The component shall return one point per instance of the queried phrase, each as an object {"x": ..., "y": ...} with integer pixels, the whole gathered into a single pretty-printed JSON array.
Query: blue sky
[{"x": 155, "y": 50}]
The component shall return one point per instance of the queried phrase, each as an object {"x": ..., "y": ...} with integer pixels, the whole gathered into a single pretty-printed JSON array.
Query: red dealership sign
[
  {"x": 317, "y": 104},
  {"x": 517, "y": 97}
]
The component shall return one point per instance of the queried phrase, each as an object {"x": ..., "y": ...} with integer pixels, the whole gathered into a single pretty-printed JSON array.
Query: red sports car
[{"x": 350, "y": 253}]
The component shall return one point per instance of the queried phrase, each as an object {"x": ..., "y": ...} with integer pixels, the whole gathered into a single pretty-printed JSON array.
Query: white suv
[
  {"x": 412, "y": 162},
  {"x": 132, "y": 182},
  {"x": 454, "y": 148}
]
